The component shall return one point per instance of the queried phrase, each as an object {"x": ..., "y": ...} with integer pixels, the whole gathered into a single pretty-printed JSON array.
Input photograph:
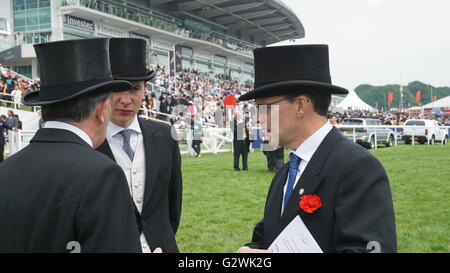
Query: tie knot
[
  {"x": 126, "y": 133},
  {"x": 294, "y": 160}
]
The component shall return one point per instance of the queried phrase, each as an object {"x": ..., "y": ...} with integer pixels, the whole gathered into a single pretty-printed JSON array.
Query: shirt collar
[
  {"x": 114, "y": 129},
  {"x": 69, "y": 127},
  {"x": 310, "y": 145}
]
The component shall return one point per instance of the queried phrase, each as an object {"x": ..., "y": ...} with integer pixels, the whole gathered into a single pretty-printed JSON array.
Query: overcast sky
[{"x": 380, "y": 41}]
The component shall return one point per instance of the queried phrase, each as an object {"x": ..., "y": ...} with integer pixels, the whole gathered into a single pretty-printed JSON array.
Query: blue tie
[
  {"x": 126, "y": 134},
  {"x": 294, "y": 161}
]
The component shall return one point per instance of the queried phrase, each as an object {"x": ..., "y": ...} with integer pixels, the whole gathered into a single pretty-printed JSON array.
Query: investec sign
[
  {"x": 111, "y": 31},
  {"x": 77, "y": 22}
]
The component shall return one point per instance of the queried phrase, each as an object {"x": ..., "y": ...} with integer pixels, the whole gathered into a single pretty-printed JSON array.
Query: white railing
[
  {"x": 16, "y": 105},
  {"x": 214, "y": 139},
  {"x": 16, "y": 141}
]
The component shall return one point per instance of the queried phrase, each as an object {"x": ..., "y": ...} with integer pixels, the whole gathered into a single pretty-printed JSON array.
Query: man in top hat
[
  {"x": 339, "y": 190},
  {"x": 58, "y": 194},
  {"x": 145, "y": 150}
]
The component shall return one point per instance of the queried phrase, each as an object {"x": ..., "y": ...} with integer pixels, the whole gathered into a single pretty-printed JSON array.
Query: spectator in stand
[
  {"x": 17, "y": 95},
  {"x": 2, "y": 70}
]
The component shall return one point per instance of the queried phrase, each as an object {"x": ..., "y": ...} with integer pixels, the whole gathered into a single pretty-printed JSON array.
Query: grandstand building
[{"x": 211, "y": 36}]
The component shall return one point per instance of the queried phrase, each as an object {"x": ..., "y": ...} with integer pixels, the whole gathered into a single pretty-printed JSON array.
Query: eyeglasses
[{"x": 258, "y": 106}]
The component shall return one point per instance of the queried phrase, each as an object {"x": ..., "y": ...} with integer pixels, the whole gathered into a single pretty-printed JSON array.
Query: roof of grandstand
[{"x": 261, "y": 22}]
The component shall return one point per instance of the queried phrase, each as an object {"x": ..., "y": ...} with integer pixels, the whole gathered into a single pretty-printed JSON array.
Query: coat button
[{"x": 301, "y": 191}]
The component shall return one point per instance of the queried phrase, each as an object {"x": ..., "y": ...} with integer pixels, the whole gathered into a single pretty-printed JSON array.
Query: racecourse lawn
[{"x": 221, "y": 206}]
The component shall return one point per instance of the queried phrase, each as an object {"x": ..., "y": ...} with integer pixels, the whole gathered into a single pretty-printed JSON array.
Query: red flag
[
  {"x": 390, "y": 97},
  {"x": 418, "y": 95},
  {"x": 435, "y": 98}
]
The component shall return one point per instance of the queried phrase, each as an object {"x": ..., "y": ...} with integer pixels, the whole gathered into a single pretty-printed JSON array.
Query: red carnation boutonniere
[{"x": 310, "y": 203}]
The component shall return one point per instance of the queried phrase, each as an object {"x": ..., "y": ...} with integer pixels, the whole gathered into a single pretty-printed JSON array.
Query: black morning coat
[
  {"x": 161, "y": 210},
  {"x": 356, "y": 200},
  {"x": 59, "y": 192}
]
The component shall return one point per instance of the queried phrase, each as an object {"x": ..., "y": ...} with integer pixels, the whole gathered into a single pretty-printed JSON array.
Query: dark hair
[
  {"x": 76, "y": 110},
  {"x": 321, "y": 102}
]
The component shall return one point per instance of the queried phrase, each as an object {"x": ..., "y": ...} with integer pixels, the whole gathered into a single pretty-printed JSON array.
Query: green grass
[{"x": 221, "y": 206}]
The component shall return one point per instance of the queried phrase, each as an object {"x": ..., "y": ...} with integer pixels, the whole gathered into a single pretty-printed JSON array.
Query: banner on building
[
  {"x": 112, "y": 31},
  {"x": 418, "y": 95},
  {"x": 177, "y": 60},
  {"x": 78, "y": 22},
  {"x": 390, "y": 97},
  {"x": 171, "y": 63}
]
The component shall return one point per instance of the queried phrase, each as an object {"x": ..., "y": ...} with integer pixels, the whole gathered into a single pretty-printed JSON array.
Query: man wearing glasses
[{"x": 339, "y": 190}]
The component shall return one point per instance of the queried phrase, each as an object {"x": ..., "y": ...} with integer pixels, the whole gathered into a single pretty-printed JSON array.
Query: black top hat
[
  {"x": 284, "y": 70},
  {"x": 72, "y": 68},
  {"x": 128, "y": 59}
]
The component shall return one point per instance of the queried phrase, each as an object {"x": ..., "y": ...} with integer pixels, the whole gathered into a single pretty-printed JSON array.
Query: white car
[{"x": 423, "y": 131}]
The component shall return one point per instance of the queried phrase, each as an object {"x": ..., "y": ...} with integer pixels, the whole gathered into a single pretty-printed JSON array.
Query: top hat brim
[
  {"x": 292, "y": 88},
  {"x": 33, "y": 99},
  {"x": 150, "y": 75}
]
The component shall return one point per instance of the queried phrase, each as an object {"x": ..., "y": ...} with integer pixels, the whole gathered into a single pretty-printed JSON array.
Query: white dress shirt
[
  {"x": 134, "y": 170},
  {"x": 69, "y": 127},
  {"x": 305, "y": 152}
]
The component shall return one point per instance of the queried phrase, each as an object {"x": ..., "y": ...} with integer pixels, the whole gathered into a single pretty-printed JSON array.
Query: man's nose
[{"x": 125, "y": 98}]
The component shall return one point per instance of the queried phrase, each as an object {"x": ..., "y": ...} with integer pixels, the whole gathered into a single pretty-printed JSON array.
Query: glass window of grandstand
[
  {"x": 73, "y": 36},
  {"x": 162, "y": 59},
  {"x": 219, "y": 70},
  {"x": 187, "y": 63},
  {"x": 24, "y": 70},
  {"x": 31, "y": 15},
  {"x": 234, "y": 73},
  {"x": 246, "y": 76},
  {"x": 202, "y": 66},
  {"x": 36, "y": 37}
]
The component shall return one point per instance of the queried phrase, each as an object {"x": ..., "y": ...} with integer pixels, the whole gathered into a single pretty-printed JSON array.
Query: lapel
[
  {"x": 152, "y": 157},
  {"x": 57, "y": 135},
  {"x": 273, "y": 204},
  {"x": 310, "y": 178},
  {"x": 106, "y": 149}
]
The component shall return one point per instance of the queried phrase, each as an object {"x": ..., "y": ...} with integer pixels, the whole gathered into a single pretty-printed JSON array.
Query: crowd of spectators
[
  {"x": 390, "y": 117},
  {"x": 199, "y": 94},
  {"x": 14, "y": 86}
]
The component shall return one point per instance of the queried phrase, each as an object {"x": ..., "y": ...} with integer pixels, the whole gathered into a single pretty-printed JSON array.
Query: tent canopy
[
  {"x": 440, "y": 103},
  {"x": 354, "y": 102}
]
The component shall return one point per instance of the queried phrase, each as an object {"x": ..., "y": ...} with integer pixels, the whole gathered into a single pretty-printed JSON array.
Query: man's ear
[
  {"x": 101, "y": 109},
  {"x": 303, "y": 103}
]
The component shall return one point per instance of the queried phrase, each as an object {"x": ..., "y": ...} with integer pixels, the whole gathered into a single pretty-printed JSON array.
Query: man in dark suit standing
[
  {"x": 241, "y": 140},
  {"x": 58, "y": 193},
  {"x": 4, "y": 125},
  {"x": 339, "y": 190},
  {"x": 145, "y": 150}
]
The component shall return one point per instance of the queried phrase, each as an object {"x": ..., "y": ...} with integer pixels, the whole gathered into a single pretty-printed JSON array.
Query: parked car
[
  {"x": 427, "y": 130},
  {"x": 367, "y": 136}
]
